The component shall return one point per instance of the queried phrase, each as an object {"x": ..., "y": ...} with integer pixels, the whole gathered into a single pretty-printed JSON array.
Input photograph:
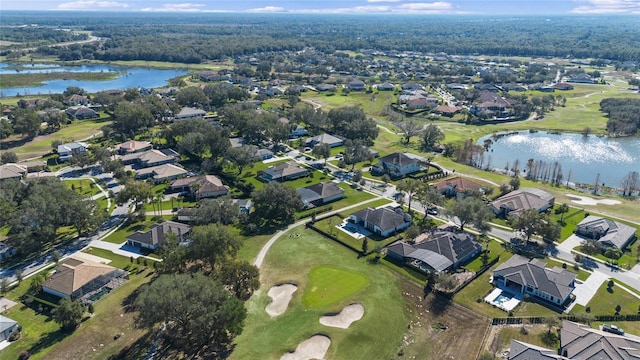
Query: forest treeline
[
  {"x": 623, "y": 115},
  {"x": 194, "y": 38},
  {"x": 39, "y": 35}
]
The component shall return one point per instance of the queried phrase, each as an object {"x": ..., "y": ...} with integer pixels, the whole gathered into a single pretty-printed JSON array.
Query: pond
[
  {"x": 583, "y": 157},
  {"x": 128, "y": 78}
]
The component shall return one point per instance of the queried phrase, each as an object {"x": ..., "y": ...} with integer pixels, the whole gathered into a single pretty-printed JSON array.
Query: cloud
[
  {"x": 92, "y": 5},
  {"x": 439, "y": 7},
  {"x": 607, "y": 7},
  {"x": 387, "y": 1},
  {"x": 268, "y": 9},
  {"x": 183, "y": 7}
]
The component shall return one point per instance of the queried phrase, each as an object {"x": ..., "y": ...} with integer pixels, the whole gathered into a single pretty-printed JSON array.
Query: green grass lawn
[
  {"x": 604, "y": 302},
  {"x": 290, "y": 260},
  {"x": 85, "y": 187},
  {"x": 328, "y": 285},
  {"x": 351, "y": 196},
  {"x": 119, "y": 236}
]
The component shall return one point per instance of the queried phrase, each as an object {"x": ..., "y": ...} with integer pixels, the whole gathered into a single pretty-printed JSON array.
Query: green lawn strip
[
  {"x": 84, "y": 187},
  {"x": 95, "y": 336},
  {"x": 604, "y": 302},
  {"x": 38, "y": 79},
  {"x": 626, "y": 261},
  {"x": 351, "y": 196},
  {"x": 328, "y": 285},
  {"x": 119, "y": 236},
  {"x": 495, "y": 249},
  {"x": 629, "y": 327},
  {"x": 533, "y": 335},
  {"x": 251, "y": 246},
  {"x": 406, "y": 271},
  {"x": 118, "y": 261},
  {"x": 581, "y": 274},
  {"x": 290, "y": 260}
]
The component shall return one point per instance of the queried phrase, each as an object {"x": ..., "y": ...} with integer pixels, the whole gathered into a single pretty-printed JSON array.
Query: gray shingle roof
[
  {"x": 384, "y": 218},
  {"x": 525, "y": 272},
  {"x": 612, "y": 232},
  {"x": 522, "y": 351},
  {"x": 582, "y": 342}
]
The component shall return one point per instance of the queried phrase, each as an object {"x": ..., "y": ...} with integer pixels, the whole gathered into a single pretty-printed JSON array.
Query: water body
[
  {"x": 585, "y": 157},
  {"x": 129, "y": 78}
]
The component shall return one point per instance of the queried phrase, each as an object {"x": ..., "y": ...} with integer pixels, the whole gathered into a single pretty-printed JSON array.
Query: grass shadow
[{"x": 48, "y": 341}]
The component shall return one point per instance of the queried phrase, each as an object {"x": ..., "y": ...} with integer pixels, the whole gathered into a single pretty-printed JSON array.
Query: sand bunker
[
  {"x": 348, "y": 315},
  {"x": 314, "y": 347},
  {"x": 280, "y": 295},
  {"x": 585, "y": 200}
]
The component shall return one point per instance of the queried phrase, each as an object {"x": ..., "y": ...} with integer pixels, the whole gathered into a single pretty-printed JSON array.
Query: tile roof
[{"x": 520, "y": 270}]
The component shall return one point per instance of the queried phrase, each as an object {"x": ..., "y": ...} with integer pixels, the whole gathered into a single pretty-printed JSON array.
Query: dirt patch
[
  {"x": 280, "y": 296},
  {"x": 440, "y": 328},
  {"x": 314, "y": 347},
  {"x": 344, "y": 319}
]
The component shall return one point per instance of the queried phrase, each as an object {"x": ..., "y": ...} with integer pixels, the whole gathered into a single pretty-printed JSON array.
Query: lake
[
  {"x": 131, "y": 77},
  {"x": 585, "y": 157}
]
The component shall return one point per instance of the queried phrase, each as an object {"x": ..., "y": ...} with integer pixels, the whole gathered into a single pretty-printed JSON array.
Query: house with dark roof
[
  {"x": 289, "y": 170},
  {"x": 320, "y": 194},
  {"x": 456, "y": 186},
  {"x": 325, "y": 87},
  {"x": 582, "y": 78},
  {"x": 82, "y": 113},
  {"x": 357, "y": 85},
  {"x": 213, "y": 76},
  {"x": 201, "y": 187},
  {"x": 522, "y": 199},
  {"x": 522, "y": 276},
  {"x": 382, "y": 221},
  {"x": 150, "y": 158},
  {"x": 385, "y": 87},
  {"x": 520, "y": 350},
  {"x": 438, "y": 250},
  {"x": 152, "y": 239},
  {"x": 606, "y": 232},
  {"x": 6, "y": 251},
  {"x": 563, "y": 86},
  {"x": 161, "y": 173},
  {"x": 79, "y": 278},
  {"x": 396, "y": 165},
  {"x": 7, "y": 328},
  {"x": 581, "y": 342},
  {"x": 325, "y": 138}
]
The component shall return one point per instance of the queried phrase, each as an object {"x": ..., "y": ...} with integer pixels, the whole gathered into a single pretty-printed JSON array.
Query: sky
[{"x": 480, "y": 7}]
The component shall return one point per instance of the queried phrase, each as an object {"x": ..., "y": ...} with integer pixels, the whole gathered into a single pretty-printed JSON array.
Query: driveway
[
  {"x": 585, "y": 291},
  {"x": 571, "y": 242}
]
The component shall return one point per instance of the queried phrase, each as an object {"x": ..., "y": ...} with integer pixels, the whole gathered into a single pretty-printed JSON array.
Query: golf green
[{"x": 328, "y": 285}]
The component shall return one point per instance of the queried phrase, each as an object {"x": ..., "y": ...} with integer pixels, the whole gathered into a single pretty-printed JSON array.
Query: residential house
[
  {"x": 244, "y": 205},
  {"x": 522, "y": 199},
  {"x": 187, "y": 214},
  {"x": 75, "y": 99},
  {"x": 581, "y": 342},
  {"x": 320, "y": 194},
  {"x": 513, "y": 87},
  {"x": 263, "y": 154},
  {"x": 325, "y": 87},
  {"x": 150, "y": 158},
  {"x": 496, "y": 106},
  {"x": 523, "y": 351},
  {"x": 161, "y": 173},
  {"x": 582, "y": 78},
  {"x": 298, "y": 131},
  {"x": 396, "y": 165},
  {"x": 446, "y": 110},
  {"x": 12, "y": 171},
  {"x": 133, "y": 146},
  {"x": 357, "y": 85},
  {"x": 213, "y": 76},
  {"x": 456, "y": 187},
  {"x": 79, "y": 277},
  {"x": 201, "y": 187},
  {"x": 456, "y": 87},
  {"x": 415, "y": 102},
  {"x": 6, "y": 251},
  {"x": 81, "y": 113},
  {"x": 68, "y": 150},
  {"x": 563, "y": 86},
  {"x": 7, "y": 328},
  {"x": 152, "y": 239},
  {"x": 333, "y": 141},
  {"x": 439, "y": 250},
  {"x": 190, "y": 113},
  {"x": 383, "y": 221},
  {"x": 522, "y": 276},
  {"x": 412, "y": 86},
  {"x": 289, "y": 170},
  {"x": 385, "y": 87},
  {"x": 606, "y": 232}
]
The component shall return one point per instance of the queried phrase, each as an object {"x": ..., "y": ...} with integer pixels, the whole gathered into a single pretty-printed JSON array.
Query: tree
[
  {"x": 199, "y": 312},
  {"x": 192, "y": 96},
  {"x": 629, "y": 183},
  {"x": 429, "y": 197},
  {"x": 471, "y": 210},
  {"x": 446, "y": 282},
  {"x": 562, "y": 209},
  {"x": 409, "y": 129},
  {"x": 322, "y": 151},
  {"x": 431, "y": 135},
  {"x": 618, "y": 309},
  {"x": 409, "y": 187},
  {"x": 26, "y": 122},
  {"x": 4, "y": 285},
  {"x": 515, "y": 183},
  {"x": 74, "y": 90},
  {"x": 532, "y": 222},
  {"x": 130, "y": 119},
  {"x": 240, "y": 278},
  {"x": 8, "y": 157},
  {"x": 355, "y": 151},
  {"x": 275, "y": 204},
  {"x": 242, "y": 156},
  {"x": 68, "y": 314},
  {"x": 365, "y": 246},
  {"x": 352, "y": 123},
  {"x": 211, "y": 245}
]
